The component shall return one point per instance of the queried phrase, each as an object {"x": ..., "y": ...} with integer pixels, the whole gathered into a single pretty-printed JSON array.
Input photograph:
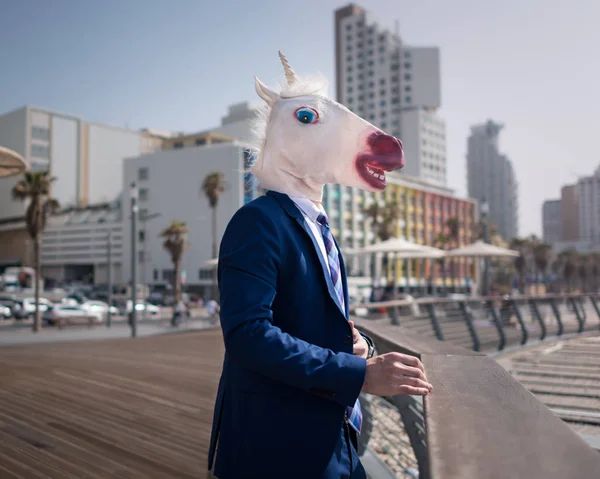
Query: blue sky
[{"x": 176, "y": 65}]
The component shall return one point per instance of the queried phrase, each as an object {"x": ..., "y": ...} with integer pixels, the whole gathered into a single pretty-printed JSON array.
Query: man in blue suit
[{"x": 287, "y": 403}]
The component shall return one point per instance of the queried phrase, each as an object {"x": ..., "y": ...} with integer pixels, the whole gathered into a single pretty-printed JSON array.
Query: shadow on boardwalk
[{"x": 114, "y": 408}]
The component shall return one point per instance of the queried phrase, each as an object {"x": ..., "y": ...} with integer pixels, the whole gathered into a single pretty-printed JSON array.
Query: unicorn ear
[{"x": 265, "y": 92}]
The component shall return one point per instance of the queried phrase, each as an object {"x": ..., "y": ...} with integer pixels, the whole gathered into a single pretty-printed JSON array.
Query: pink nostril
[{"x": 383, "y": 144}]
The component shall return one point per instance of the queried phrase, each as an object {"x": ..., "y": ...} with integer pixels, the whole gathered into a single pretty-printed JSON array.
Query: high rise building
[
  {"x": 569, "y": 213},
  {"x": 588, "y": 191},
  {"x": 491, "y": 178},
  {"x": 551, "y": 221},
  {"x": 392, "y": 85}
]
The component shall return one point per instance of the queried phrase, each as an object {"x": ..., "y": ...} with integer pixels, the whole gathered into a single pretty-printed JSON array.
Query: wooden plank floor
[{"x": 100, "y": 409}]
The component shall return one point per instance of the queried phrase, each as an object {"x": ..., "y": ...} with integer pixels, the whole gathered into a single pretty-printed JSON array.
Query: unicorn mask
[{"x": 306, "y": 140}]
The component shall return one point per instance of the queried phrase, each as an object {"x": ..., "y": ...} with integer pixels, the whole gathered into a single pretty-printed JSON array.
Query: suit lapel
[
  {"x": 344, "y": 280},
  {"x": 290, "y": 207}
]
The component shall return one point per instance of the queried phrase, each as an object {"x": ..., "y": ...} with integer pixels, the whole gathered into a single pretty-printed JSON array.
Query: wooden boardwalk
[{"x": 116, "y": 408}]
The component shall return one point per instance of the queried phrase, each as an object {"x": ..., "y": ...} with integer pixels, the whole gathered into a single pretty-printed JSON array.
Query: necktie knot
[{"x": 322, "y": 220}]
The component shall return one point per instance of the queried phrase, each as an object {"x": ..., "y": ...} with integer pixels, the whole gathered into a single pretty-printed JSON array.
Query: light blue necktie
[{"x": 354, "y": 412}]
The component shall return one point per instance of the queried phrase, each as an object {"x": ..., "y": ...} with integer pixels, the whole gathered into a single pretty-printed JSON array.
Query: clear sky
[{"x": 533, "y": 65}]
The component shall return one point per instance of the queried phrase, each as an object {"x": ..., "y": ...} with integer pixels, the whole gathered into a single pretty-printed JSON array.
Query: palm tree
[
  {"x": 176, "y": 243},
  {"x": 542, "y": 252},
  {"x": 453, "y": 225},
  {"x": 212, "y": 186},
  {"x": 568, "y": 259},
  {"x": 35, "y": 188},
  {"x": 522, "y": 246}
]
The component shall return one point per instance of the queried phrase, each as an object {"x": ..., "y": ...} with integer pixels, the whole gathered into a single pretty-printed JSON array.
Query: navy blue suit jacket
[{"x": 288, "y": 372}]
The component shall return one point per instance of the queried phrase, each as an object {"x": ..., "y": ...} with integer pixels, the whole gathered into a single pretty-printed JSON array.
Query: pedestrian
[{"x": 287, "y": 404}]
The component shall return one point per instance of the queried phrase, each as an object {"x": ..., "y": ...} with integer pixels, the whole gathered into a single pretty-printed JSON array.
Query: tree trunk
[
  {"x": 215, "y": 250},
  {"x": 37, "y": 320},
  {"x": 177, "y": 281}
]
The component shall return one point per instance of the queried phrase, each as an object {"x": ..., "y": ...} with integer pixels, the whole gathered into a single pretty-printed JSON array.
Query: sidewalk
[{"x": 22, "y": 336}]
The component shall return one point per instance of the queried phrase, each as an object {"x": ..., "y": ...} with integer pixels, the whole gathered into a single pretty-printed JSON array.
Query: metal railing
[{"x": 479, "y": 421}]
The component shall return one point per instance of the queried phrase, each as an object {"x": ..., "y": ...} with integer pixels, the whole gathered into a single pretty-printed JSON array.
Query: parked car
[
  {"x": 65, "y": 311},
  {"x": 149, "y": 307},
  {"x": 28, "y": 306},
  {"x": 99, "y": 307},
  {"x": 5, "y": 312}
]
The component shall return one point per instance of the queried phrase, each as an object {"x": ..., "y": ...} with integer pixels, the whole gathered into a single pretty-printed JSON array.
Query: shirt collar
[{"x": 307, "y": 207}]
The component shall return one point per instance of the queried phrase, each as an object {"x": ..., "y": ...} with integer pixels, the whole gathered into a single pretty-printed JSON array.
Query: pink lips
[{"x": 384, "y": 153}]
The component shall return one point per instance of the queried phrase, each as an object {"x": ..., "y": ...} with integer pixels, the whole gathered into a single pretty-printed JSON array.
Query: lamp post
[
  {"x": 485, "y": 211},
  {"x": 109, "y": 277},
  {"x": 134, "y": 214}
]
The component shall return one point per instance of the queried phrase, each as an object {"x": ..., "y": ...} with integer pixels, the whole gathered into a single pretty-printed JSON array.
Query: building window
[
  {"x": 168, "y": 274},
  {"x": 407, "y": 89},
  {"x": 406, "y": 54},
  {"x": 141, "y": 236},
  {"x": 40, "y": 133},
  {"x": 408, "y": 99},
  {"x": 143, "y": 174},
  {"x": 407, "y": 65},
  {"x": 408, "y": 77},
  {"x": 382, "y": 103},
  {"x": 201, "y": 141},
  {"x": 155, "y": 275},
  {"x": 349, "y": 27},
  {"x": 40, "y": 151},
  {"x": 178, "y": 144},
  {"x": 40, "y": 165},
  {"x": 143, "y": 194}
]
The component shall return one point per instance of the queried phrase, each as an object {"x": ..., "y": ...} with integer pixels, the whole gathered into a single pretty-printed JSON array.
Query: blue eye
[{"x": 307, "y": 115}]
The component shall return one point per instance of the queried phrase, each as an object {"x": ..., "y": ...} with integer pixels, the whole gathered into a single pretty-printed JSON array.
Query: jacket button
[{"x": 347, "y": 340}]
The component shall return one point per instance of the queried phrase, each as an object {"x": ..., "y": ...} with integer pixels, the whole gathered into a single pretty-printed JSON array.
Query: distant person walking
[{"x": 213, "y": 310}]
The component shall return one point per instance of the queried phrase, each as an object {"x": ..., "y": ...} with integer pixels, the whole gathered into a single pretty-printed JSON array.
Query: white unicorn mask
[{"x": 307, "y": 140}]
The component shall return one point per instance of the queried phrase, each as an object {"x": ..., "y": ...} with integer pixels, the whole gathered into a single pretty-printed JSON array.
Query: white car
[
  {"x": 150, "y": 308},
  {"x": 65, "y": 311},
  {"x": 29, "y": 305},
  {"x": 99, "y": 308},
  {"x": 5, "y": 312}
]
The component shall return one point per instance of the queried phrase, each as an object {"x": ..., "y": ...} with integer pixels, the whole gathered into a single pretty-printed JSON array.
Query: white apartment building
[
  {"x": 551, "y": 221},
  {"x": 589, "y": 209},
  {"x": 83, "y": 157},
  {"x": 394, "y": 86},
  {"x": 491, "y": 178},
  {"x": 169, "y": 188},
  {"x": 75, "y": 244}
]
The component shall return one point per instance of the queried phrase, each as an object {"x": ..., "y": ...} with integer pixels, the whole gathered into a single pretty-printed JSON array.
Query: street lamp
[
  {"x": 485, "y": 211},
  {"x": 134, "y": 214}
]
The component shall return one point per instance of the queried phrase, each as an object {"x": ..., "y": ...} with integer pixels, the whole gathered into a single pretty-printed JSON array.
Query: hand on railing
[{"x": 394, "y": 373}]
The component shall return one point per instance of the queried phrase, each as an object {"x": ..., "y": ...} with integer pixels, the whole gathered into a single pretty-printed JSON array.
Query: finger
[
  {"x": 413, "y": 391},
  {"x": 412, "y": 361},
  {"x": 410, "y": 371},
  {"x": 351, "y": 324},
  {"x": 418, "y": 383}
]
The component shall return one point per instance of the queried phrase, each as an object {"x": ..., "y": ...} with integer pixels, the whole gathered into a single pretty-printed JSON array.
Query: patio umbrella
[
  {"x": 11, "y": 163},
  {"x": 479, "y": 249}
]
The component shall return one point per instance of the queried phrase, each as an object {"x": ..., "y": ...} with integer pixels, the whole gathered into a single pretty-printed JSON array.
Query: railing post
[
  {"x": 538, "y": 317},
  {"x": 524, "y": 332},
  {"x": 557, "y": 316},
  {"x": 581, "y": 300},
  {"x": 434, "y": 322},
  {"x": 411, "y": 411},
  {"x": 577, "y": 314},
  {"x": 469, "y": 320},
  {"x": 498, "y": 324},
  {"x": 595, "y": 305}
]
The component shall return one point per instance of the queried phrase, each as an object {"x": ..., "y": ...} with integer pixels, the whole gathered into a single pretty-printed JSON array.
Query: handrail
[{"x": 480, "y": 422}]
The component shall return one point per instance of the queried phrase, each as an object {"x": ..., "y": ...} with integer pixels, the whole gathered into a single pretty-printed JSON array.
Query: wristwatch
[{"x": 369, "y": 341}]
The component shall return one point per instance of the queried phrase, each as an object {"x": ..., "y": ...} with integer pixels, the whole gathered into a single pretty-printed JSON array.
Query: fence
[{"x": 479, "y": 421}]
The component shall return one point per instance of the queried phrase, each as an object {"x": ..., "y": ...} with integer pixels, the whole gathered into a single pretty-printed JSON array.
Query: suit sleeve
[{"x": 249, "y": 263}]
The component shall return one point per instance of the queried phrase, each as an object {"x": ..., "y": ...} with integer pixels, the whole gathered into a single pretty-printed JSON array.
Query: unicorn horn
[{"x": 290, "y": 74}]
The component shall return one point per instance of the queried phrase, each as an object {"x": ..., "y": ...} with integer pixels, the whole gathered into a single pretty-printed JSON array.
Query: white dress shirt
[{"x": 311, "y": 212}]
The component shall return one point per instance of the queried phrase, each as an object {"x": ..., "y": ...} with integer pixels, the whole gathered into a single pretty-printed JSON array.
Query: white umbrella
[
  {"x": 402, "y": 249},
  {"x": 482, "y": 250},
  {"x": 11, "y": 163}
]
